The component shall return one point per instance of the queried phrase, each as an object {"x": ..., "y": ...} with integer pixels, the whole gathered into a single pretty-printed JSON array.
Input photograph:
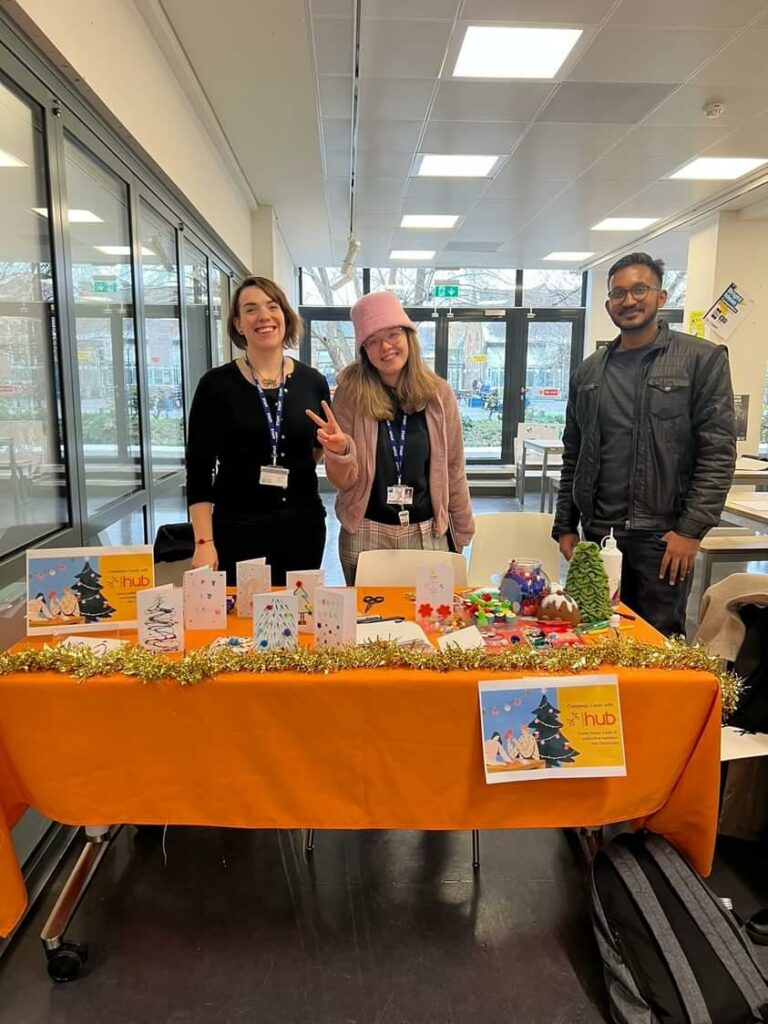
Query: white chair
[
  {"x": 502, "y": 536},
  {"x": 388, "y": 568}
]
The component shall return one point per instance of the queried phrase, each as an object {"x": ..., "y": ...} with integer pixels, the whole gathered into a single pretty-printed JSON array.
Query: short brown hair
[
  {"x": 366, "y": 390},
  {"x": 294, "y": 325}
]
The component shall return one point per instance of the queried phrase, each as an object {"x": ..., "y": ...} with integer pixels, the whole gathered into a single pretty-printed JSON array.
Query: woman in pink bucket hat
[{"x": 401, "y": 478}]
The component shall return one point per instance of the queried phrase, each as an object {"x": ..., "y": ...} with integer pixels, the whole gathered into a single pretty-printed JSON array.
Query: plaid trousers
[{"x": 386, "y": 537}]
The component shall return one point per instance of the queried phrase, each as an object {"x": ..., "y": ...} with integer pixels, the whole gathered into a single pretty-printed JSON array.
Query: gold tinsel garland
[{"x": 205, "y": 662}]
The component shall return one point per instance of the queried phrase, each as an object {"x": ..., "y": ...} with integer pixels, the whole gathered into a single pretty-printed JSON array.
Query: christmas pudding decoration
[
  {"x": 587, "y": 583},
  {"x": 524, "y": 585},
  {"x": 484, "y": 607},
  {"x": 558, "y": 607}
]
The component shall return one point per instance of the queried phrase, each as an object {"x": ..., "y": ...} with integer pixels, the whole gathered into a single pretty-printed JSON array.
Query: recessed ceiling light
[
  {"x": 412, "y": 254},
  {"x": 624, "y": 223},
  {"x": 122, "y": 250},
  {"x": 74, "y": 216},
  {"x": 428, "y": 220},
  {"x": 9, "y": 160},
  {"x": 719, "y": 168},
  {"x": 496, "y": 52},
  {"x": 565, "y": 256},
  {"x": 436, "y": 165}
]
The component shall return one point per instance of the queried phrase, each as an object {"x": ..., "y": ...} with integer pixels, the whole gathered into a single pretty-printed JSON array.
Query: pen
[{"x": 381, "y": 618}]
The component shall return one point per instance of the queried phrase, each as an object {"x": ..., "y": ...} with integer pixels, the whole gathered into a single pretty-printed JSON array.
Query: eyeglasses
[
  {"x": 637, "y": 291},
  {"x": 392, "y": 337}
]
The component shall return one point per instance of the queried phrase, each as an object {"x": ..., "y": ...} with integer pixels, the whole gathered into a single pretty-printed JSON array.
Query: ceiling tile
[
  {"x": 383, "y": 163},
  {"x": 337, "y": 133},
  {"x": 685, "y": 107},
  {"x": 396, "y": 136},
  {"x": 511, "y": 183},
  {"x": 653, "y": 55},
  {"x": 751, "y": 140},
  {"x": 495, "y": 220},
  {"x": 652, "y": 152},
  {"x": 489, "y": 101},
  {"x": 470, "y": 137},
  {"x": 337, "y": 163},
  {"x": 332, "y": 8},
  {"x": 662, "y": 199},
  {"x": 395, "y": 99},
  {"x": 335, "y": 95},
  {"x": 338, "y": 195},
  {"x": 333, "y": 46},
  {"x": 741, "y": 63},
  {"x": 403, "y": 238},
  {"x": 399, "y": 49},
  {"x": 429, "y": 9},
  {"x": 561, "y": 12},
  {"x": 563, "y": 150},
  {"x": 379, "y": 195},
  {"x": 687, "y": 13},
  {"x": 440, "y": 195},
  {"x": 591, "y": 102}
]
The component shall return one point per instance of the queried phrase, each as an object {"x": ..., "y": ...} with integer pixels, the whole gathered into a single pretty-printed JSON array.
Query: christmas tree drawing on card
[
  {"x": 90, "y": 597},
  {"x": 160, "y": 612},
  {"x": 275, "y": 620},
  {"x": 303, "y": 585},
  {"x": 254, "y": 576}
]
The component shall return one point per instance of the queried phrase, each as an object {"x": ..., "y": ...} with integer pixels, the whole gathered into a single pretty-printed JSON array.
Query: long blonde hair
[{"x": 362, "y": 385}]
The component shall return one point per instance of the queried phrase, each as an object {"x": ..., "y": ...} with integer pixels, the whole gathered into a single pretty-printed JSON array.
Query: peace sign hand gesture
[{"x": 330, "y": 435}]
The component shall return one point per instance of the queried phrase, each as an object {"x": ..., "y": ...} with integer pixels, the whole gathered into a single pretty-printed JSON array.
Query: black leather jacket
[{"x": 684, "y": 444}]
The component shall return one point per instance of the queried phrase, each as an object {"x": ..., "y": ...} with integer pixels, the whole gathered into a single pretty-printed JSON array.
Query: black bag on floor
[
  {"x": 672, "y": 954},
  {"x": 174, "y": 542}
]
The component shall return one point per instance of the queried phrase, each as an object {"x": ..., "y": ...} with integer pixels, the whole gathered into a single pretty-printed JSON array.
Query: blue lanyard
[
  {"x": 274, "y": 425},
  {"x": 398, "y": 451}
]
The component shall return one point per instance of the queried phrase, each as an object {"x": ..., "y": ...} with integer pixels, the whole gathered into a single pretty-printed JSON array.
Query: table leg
[{"x": 544, "y": 458}]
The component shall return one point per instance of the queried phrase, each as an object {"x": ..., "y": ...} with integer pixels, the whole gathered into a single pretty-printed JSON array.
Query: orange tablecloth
[{"x": 370, "y": 749}]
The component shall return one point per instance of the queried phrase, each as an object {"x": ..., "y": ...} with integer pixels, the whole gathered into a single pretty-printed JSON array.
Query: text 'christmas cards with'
[
  {"x": 434, "y": 593},
  {"x": 161, "y": 619},
  {"x": 335, "y": 616},
  {"x": 205, "y": 599},
  {"x": 253, "y": 576},
  {"x": 569, "y": 728},
  {"x": 303, "y": 586},
  {"x": 275, "y": 620}
]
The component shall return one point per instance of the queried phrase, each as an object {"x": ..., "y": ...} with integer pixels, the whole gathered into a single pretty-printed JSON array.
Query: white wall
[
  {"x": 598, "y": 325},
  {"x": 271, "y": 257},
  {"x": 112, "y": 48}
]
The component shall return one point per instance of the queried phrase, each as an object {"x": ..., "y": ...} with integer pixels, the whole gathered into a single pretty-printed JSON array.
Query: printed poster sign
[
  {"x": 728, "y": 311},
  {"x": 86, "y": 589},
  {"x": 569, "y": 728}
]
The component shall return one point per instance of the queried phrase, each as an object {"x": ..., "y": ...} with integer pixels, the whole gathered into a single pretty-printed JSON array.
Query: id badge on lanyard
[
  {"x": 274, "y": 475},
  {"x": 399, "y": 493}
]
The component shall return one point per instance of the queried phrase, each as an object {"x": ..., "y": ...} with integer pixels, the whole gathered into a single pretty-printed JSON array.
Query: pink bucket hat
[{"x": 376, "y": 311}]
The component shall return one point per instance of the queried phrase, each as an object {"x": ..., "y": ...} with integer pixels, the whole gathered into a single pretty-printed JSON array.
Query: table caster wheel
[{"x": 66, "y": 962}]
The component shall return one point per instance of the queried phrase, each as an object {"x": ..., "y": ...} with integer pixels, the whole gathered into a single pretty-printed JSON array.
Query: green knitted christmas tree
[{"x": 587, "y": 583}]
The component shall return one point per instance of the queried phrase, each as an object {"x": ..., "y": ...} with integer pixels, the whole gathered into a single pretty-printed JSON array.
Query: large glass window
[
  {"x": 551, "y": 288},
  {"x": 547, "y": 370},
  {"x": 99, "y": 243},
  {"x": 162, "y": 331},
  {"x": 675, "y": 282},
  {"x": 196, "y": 314},
  {"x": 476, "y": 373},
  {"x": 332, "y": 347},
  {"x": 33, "y": 487},
  {"x": 325, "y": 286},
  {"x": 446, "y": 289},
  {"x": 220, "y": 313}
]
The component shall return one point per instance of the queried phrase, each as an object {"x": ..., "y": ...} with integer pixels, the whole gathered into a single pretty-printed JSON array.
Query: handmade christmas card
[
  {"x": 466, "y": 639},
  {"x": 568, "y": 728},
  {"x": 205, "y": 599},
  {"x": 434, "y": 594},
  {"x": 96, "y": 644},
  {"x": 86, "y": 589},
  {"x": 275, "y": 620},
  {"x": 253, "y": 576},
  {"x": 161, "y": 619},
  {"x": 303, "y": 586},
  {"x": 397, "y": 631},
  {"x": 335, "y": 617}
]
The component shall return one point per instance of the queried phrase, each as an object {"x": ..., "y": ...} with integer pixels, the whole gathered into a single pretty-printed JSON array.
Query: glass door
[
  {"x": 549, "y": 362},
  {"x": 476, "y": 372}
]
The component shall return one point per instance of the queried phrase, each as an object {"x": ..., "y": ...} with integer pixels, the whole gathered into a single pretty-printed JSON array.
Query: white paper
[
  {"x": 434, "y": 593},
  {"x": 160, "y": 611},
  {"x": 98, "y": 646},
  {"x": 205, "y": 599},
  {"x": 751, "y": 465},
  {"x": 303, "y": 585},
  {"x": 335, "y": 616},
  {"x": 400, "y": 632},
  {"x": 466, "y": 639},
  {"x": 731, "y": 308},
  {"x": 275, "y": 620},
  {"x": 254, "y": 576}
]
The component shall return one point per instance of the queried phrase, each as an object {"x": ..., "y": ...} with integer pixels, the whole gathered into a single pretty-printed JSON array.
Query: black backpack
[
  {"x": 672, "y": 953},
  {"x": 751, "y": 664}
]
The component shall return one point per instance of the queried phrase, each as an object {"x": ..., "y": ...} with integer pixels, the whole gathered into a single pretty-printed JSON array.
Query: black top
[
  {"x": 415, "y": 470},
  {"x": 616, "y": 413},
  {"x": 229, "y": 441}
]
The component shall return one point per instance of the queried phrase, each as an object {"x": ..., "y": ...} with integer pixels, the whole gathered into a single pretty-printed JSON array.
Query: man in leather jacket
[{"x": 649, "y": 446}]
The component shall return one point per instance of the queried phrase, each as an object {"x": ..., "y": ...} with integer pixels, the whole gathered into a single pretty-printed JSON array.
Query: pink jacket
[{"x": 352, "y": 474}]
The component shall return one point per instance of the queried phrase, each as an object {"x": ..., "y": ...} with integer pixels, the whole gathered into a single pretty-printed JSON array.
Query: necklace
[{"x": 265, "y": 381}]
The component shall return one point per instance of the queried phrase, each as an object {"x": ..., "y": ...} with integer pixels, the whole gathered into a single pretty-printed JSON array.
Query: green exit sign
[
  {"x": 104, "y": 286},
  {"x": 446, "y": 291}
]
